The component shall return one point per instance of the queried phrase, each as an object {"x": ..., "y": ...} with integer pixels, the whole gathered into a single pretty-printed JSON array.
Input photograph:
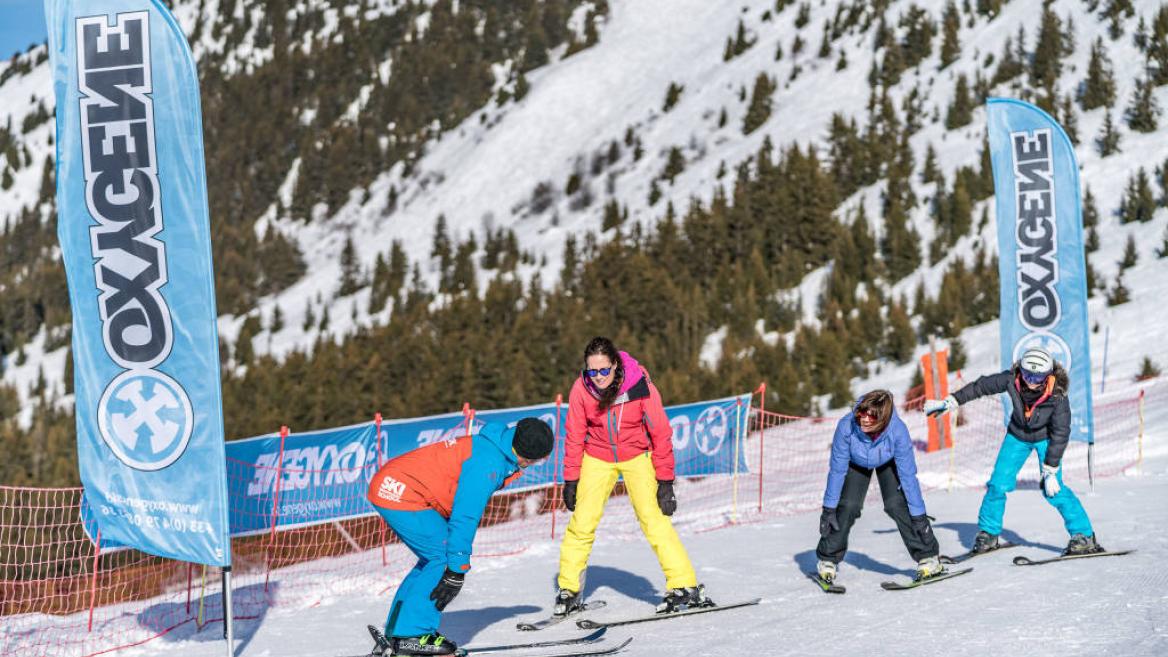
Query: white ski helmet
[{"x": 1036, "y": 364}]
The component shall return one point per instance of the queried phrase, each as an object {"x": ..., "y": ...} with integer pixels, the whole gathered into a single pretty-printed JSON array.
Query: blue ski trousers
[
  {"x": 1011, "y": 457},
  {"x": 424, "y": 532}
]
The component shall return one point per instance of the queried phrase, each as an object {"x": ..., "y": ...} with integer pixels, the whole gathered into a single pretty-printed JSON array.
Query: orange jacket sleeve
[{"x": 660, "y": 435}]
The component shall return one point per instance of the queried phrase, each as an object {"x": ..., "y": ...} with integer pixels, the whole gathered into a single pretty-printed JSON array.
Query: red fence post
[
  {"x": 93, "y": 580},
  {"x": 275, "y": 504},
  {"x": 761, "y": 437}
]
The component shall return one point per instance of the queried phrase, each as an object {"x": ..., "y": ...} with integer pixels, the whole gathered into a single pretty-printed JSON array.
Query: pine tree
[
  {"x": 350, "y": 269},
  {"x": 899, "y": 339},
  {"x": 1116, "y": 11},
  {"x": 961, "y": 110},
  {"x": 1098, "y": 90},
  {"x": 1090, "y": 222},
  {"x": 1107, "y": 143},
  {"x": 1068, "y": 119},
  {"x": 930, "y": 173},
  {"x": 918, "y": 39},
  {"x": 760, "y": 106},
  {"x": 1119, "y": 293},
  {"x": 950, "y": 26},
  {"x": 1143, "y": 111},
  {"x": 674, "y": 164},
  {"x": 612, "y": 215},
  {"x": 1148, "y": 370},
  {"x": 1046, "y": 63},
  {"x": 277, "y": 323},
  {"x": 1010, "y": 64},
  {"x": 309, "y": 317},
  {"x": 1138, "y": 203},
  {"x": 672, "y": 95},
  {"x": 825, "y": 44},
  {"x": 1130, "y": 255},
  {"x": 1158, "y": 47},
  {"x": 1162, "y": 252}
]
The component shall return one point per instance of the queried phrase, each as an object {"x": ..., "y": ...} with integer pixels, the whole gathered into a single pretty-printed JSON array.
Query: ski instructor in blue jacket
[
  {"x": 872, "y": 439},
  {"x": 434, "y": 499}
]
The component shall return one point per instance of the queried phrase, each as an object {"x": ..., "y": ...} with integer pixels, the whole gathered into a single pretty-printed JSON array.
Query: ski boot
[
  {"x": 692, "y": 597},
  {"x": 984, "y": 542},
  {"x": 427, "y": 644},
  {"x": 929, "y": 567},
  {"x": 1080, "y": 544},
  {"x": 567, "y": 602},
  {"x": 826, "y": 570}
]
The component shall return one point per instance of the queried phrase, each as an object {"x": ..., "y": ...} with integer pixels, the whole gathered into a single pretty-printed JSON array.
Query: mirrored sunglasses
[{"x": 602, "y": 372}]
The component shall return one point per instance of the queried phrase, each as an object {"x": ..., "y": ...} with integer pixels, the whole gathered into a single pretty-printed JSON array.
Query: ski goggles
[
  {"x": 602, "y": 372},
  {"x": 1034, "y": 378}
]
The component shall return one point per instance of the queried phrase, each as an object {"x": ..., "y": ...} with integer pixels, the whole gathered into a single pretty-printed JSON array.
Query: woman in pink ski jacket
[{"x": 617, "y": 427}]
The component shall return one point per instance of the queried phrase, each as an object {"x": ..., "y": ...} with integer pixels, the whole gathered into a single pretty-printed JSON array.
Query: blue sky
[{"x": 22, "y": 22}]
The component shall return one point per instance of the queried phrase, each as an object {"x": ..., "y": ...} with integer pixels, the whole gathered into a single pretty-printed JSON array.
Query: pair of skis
[
  {"x": 832, "y": 587},
  {"x": 589, "y": 624},
  {"x": 1027, "y": 561},
  {"x": 585, "y": 641}
]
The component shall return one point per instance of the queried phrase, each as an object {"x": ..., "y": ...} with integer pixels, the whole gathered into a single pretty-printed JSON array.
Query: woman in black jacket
[{"x": 1040, "y": 421}]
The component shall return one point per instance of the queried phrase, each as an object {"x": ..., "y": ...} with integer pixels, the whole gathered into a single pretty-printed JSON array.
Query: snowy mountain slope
[{"x": 483, "y": 173}]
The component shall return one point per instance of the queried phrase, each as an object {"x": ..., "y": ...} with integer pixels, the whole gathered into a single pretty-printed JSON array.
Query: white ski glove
[
  {"x": 1050, "y": 484},
  {"x": 939, "y": 406}
]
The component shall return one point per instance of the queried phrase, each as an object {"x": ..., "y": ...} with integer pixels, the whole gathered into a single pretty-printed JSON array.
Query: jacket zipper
[{"x": 611, "y": 441}]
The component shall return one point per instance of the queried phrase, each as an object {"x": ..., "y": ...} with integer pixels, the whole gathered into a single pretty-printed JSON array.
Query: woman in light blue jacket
[{"x": 871, "y": 438}]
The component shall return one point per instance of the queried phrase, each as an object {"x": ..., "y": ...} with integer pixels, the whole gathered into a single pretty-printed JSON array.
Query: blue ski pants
[
  {"x": 424, "y": 532},
  {"x": 1011, "y": 457}
]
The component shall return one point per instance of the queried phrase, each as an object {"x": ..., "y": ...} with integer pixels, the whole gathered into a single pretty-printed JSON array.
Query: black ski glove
[
  {"x": 448, "y": 587},
  {"x": 828, "y": 523},
  {"x": 922, "y": 528},
  {"x": 569, "y": 494},
  {"x": 665, "y": 497}
]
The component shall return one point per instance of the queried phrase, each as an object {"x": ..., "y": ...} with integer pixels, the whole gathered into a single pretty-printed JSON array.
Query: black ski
[
  {"x": 971, "y": 554},
  {"x": 1026, "y": 561},
  {"x": 591, "y": 652},
  {"x": 552, "y": 620},
  {"x": 587, "y": 638},
  {"x": 586, "y": 624},
  {"x": 902, "y": 586},
  {"x": 828, "y": 587}
]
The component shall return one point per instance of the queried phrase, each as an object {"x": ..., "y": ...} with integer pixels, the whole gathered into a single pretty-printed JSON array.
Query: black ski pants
[{"x": 833, "y": 546}]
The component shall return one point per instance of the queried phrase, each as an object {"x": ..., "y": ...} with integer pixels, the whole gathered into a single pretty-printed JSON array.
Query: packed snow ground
[{"x": 1089, "y": 607}]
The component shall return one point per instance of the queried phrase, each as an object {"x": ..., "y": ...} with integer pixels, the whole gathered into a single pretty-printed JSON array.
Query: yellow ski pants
[{"x": 597, "y": 479}]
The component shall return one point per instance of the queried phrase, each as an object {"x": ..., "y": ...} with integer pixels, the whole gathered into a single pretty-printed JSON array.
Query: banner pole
[{"x": 228, "y": 616}]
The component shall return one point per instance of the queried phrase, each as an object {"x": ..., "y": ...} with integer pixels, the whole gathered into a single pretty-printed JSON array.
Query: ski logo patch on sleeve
[{"x": 391, "y": 490}]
